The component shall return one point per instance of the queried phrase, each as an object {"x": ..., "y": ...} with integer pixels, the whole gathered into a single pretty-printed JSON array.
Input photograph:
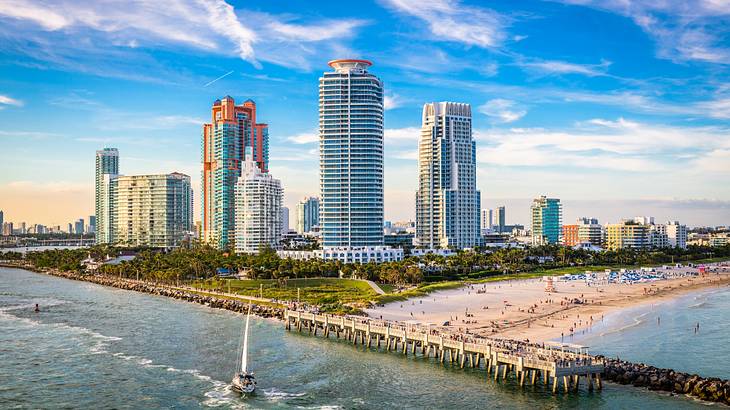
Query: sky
[{"x": 618, "y": 107}]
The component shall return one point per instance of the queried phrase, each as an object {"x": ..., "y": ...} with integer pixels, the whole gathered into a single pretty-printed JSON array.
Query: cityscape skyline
[{"x": 593, "y": 123}]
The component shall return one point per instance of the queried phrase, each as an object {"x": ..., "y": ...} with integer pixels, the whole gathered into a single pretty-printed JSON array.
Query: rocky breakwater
[
  {"x": 261, "y": 310},
  {"x": 642, "y": 375}
]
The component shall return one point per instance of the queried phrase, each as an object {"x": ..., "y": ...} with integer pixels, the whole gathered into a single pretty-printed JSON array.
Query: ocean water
[
  {"x": 663, "y": 334},
  {"x": 98, "y": 347}
]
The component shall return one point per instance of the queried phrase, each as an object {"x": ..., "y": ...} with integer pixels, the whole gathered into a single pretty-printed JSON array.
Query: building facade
[
  {"x": 151, "y": 210},
  {"x": 569, "y": 236},
  {"x": 308, "y": 214},
  {"x": 232, "y": 137},
  {"x": 590, "y": 231},
  {"x": 628, "y": 234},
  {"x": 257, "y": 210},
  {"x": 351, "y": 155},
  {"x": 107, "y": 168},
  {"x": 547, "y": 220},
  {"x": 284, "y": 219},
  {"x": 500, "y": 220},
  {"x": 366, "y": 254},
  {"x": 447, "y": 201},
  {"x": 486, "y": 219},
  {"x": 677, "y": 234}
]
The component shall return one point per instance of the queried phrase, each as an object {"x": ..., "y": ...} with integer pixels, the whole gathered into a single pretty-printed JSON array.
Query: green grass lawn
[{"x": 320, "y": 291}]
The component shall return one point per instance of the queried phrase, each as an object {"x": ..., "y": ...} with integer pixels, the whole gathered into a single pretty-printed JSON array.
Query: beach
[{"x": 523, "y": 310}]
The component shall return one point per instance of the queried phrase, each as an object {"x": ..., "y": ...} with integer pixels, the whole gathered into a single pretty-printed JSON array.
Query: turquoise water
[
  {"x": 98, "y": 347},
  {"x": 663, "y": 334}
]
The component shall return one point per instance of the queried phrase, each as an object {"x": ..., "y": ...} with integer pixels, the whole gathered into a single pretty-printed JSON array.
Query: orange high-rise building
[
  {"x": 232, "y": 137},
  {"x": 570, "y": 235}
]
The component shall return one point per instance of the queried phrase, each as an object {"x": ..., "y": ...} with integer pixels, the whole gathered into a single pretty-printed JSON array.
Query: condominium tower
[
  {"x": 447, "y": 201},
  {"x": 351, "y": 155},
  {"x": 258, "y": 216},
  {"x": 547, "y": 220},
  {"x": 307, "y": 214},
  {"x": 232, "y": 137},
  {"x": 152, "y": 210},
  {"x": 107, "y": 167}
]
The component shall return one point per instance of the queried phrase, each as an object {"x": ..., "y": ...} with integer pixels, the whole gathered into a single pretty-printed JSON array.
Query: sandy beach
[{"x": 523, "y": 310}]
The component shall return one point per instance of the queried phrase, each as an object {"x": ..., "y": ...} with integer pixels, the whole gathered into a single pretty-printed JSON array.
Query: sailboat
[{"x": 243, "y": 381}]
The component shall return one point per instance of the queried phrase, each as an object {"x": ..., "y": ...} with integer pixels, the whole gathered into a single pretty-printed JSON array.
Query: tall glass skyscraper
[
  {"x": 107, "y": 168},
  {"x": 307, "y": 214},
  {"x": 351, "y": 155},
  {"x": 232, "y": 137},
  {"x": 547, "y": 220},
  {"x": 447, "y": 201}
]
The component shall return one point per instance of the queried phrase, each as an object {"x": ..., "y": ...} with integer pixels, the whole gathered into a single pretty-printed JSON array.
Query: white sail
[{"x": 244, "y": 354}]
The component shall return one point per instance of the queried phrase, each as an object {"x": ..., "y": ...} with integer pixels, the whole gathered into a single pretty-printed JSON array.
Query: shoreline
[
  {"x": 522, "y": 310},
  {"x": 202, "y": 298},
  {"x": 618, "y": 371}
]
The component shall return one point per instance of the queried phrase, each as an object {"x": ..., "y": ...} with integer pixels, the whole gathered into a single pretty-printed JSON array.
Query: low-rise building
[{"x": 376, "y": 254}]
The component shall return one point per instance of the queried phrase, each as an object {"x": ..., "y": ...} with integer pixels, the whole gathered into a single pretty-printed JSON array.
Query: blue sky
[{"x": 618, "y": 107}]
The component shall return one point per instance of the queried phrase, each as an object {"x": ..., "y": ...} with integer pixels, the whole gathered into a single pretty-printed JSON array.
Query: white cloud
[
  {"x": 563, "y": 67},
  {"x": 502, "y": 111},
  {"x": 305, "y": 137},
  {"x": 683, "y": 30},
  {"x": 71, "y": 30},
  {"x": 402, "y": 134},
  {"x": 602, "y": 144},
  {"x": 391, "y": 101},
  {"x": 5, "y": 100},
  {"x": 452, "y": 21}
]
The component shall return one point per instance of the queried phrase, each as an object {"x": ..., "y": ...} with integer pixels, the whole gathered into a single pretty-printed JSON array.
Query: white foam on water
[{"x": 274, "y": 394}]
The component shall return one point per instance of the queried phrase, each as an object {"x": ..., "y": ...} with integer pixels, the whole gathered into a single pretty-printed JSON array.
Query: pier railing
[{"x": 527, "y": 361}]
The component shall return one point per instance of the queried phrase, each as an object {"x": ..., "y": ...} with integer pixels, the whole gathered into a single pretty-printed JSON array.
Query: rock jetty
[
  {"x": 241, "y": 306},
  {"x": 642, "y": 375}
]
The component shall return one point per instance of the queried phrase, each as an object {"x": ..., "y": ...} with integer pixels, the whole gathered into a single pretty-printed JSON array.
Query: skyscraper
[
  {"x": 2, "y": 221},
  {"x": 151, "y": 210},
  {"x": 486, "y": 219},
  {"x": 351, "y": 155},
  {"x": 258, "y": 210},
  {"x": 447, "y": 201},
  {"x": 284, "y": 219},
  {"x": 79, "y": 226},
  {"x": 107, "y": 167},
  {"x": 501, "y": 219},
  {"x": 232, "y": 137},
  {"x": 547, "y": 220},
  {"x": 92, "y": 224},
  {"x": 307, "y": 214}
]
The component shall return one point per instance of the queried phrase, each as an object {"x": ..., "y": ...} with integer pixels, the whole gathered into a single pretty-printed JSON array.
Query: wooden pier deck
[{"x": 530, "y": 364}]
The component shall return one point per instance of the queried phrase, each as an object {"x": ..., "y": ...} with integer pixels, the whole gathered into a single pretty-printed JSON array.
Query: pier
[{"x": 557, "y": 366}]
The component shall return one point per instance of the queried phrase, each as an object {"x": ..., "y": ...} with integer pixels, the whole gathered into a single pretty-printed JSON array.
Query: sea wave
[{"x": 637, "y": 321}]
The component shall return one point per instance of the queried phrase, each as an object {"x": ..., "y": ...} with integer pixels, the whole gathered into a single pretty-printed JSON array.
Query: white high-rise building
[
  {"x": 107, "y": 168},
  {"x": 257, "y": 210},
  {"x": 487, "y": 219},
  {"x": 447, "y": 201},
  {"x": 351, "y": 155},
  {"x": 676, "y": 234}
]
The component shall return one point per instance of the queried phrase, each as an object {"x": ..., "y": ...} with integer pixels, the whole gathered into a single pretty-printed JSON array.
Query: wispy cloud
[
  {"x": 683, "y": 30},
  {"x": 309, "y": 137},
  {"x": 554, "y": 67},
  {"x": 451, "y": 20},
  {"x": 80, "y": 36},
  {"x": 620, "y": 145},
  {"x": 502, "y": 111},
  {"x": 392, "y": 101},
  {"x": 5, "y": 100}
]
